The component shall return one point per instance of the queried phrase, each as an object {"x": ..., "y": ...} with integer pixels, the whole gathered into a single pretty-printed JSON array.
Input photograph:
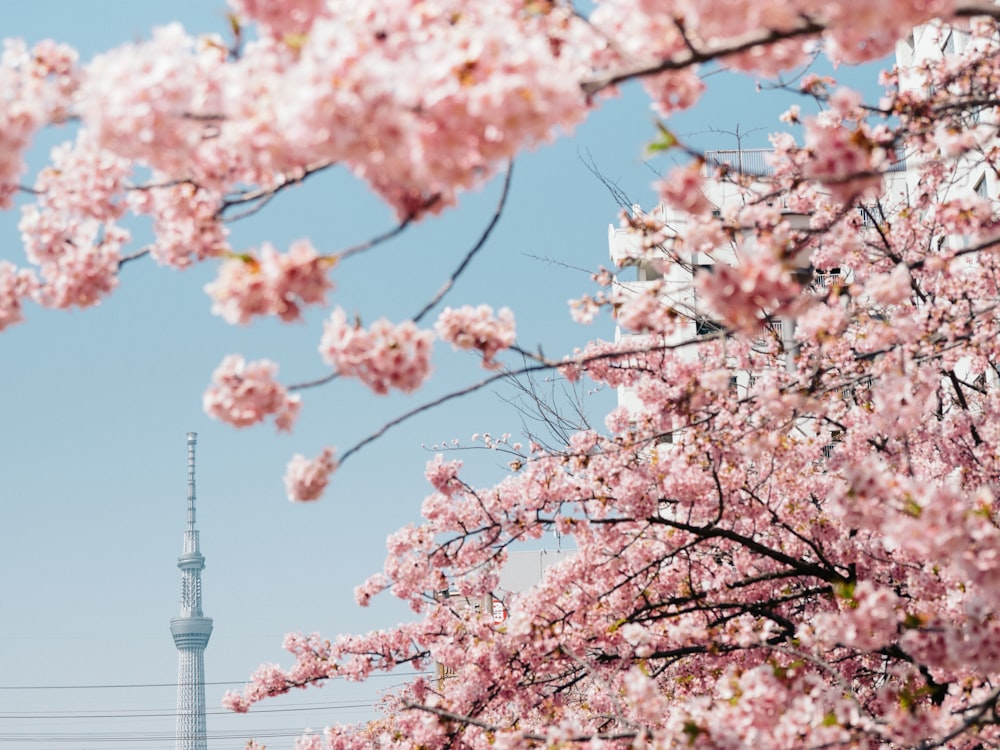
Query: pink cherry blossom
[
  {"x": 443, "y": 475},
  {"x": 245, "y": 393},
  {"x": 684, "y": 189},
  {"x": 306, "y": 479},
  {"x": 185, "y": 221},
  {"x": 477, "y": 328},
  {"x": 15, "y": 285},
  {"x": 280, "y": 18},
  {"x": 384, "y": 356},
  {"x": 269, "y": 283},
  {"x": 742, "y": 295},
  {"x": 78, "y": 258},
  {"x": 37, "y": 86},
  {"x": 845, "y": 160},
  {"x": 786, "y": 532},
  {"x": 146, "y": 101}
]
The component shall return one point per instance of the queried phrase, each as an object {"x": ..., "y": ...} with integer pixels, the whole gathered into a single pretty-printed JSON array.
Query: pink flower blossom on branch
[
  {"x": 443, "y": 475},
  {"x": 245, "y": 393},
  {"x": 269, "y": 283},
  {"x": 71, "y": 232},
  {"x": 269, "y": 679},
  {"x": 684, "y": 189},
  {"x": 742, "y": 295},
  {"x": 306, "y": 479},
  {"x": 845, "y": 159},
  {"x": 774, "y": 546},
  {"x": 84, "y": 180},
  {"x": 477, "y": 328},
  {"x": 280, "y": 18},
  {"x": 15, "y": 285},
  {"x": 185, "y": 220},
  {"x": 78, "y": 258},
  {"x": 145, "y": 101},
  {"x": 36, "y": 87},
  {"x": 384, "y": 356}
]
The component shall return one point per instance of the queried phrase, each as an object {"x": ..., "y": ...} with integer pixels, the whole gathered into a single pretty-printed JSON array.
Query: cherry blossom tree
[{"x": 785, "y": 539}]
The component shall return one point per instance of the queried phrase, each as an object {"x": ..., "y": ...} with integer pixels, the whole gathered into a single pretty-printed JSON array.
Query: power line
[
  {"x": 166, "y": 713},
  {"x": 91, "y": 737},
  {"x": 166, "y": 684},
  {"x": 110, "y": 687},
  {"x": 137, "y": 711}
]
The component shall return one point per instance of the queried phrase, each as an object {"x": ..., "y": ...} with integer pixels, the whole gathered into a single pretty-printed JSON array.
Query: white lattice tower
[{"x": 191, "y": 630}]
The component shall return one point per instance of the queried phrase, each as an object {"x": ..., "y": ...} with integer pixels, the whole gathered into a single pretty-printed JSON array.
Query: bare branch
[{"x": 472, "y": 252}]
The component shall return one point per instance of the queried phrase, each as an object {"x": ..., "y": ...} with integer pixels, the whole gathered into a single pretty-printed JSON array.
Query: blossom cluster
[
  {"x": 270, "y": 283},
  {"x": 14, "y": 286},
  {"x": 684, "y": 189},
  {"x": 780, "y": 545},
  {"x": 245, "y": 393},
  {"x": 772, "y": 544},
  {"x": 280, "y": 19},
  {"x": 185, "y": 221},
  {"x": 306, "y": 479},
  {"x": 37, "y": 86},
  {"x": 383, "y": 356},
  {"x": 845, "y": 160},
  {"x": 743, "y": 294},
  {"x": 477, "y": 328}
]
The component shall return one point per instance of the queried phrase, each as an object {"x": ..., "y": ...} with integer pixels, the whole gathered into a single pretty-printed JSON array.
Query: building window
[
  {"x": 981, "y": 190},
  {"x": 825, "y": 277},
  {"x": 835, "y": 437},
  {"x": 705, "y": 327},
  {"x": 948, "y": 46},
  {"x": 770, "y": 329},
  {"x": 649, "y": 271},
  {"x": 871, "y": 215}
]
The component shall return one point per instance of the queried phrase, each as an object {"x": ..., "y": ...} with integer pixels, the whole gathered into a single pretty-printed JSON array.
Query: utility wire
[
  {"x": 165, "y": 713},
  {"x": 168, "y": 684}
]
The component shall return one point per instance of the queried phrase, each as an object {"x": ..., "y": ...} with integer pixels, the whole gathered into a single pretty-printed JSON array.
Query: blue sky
[{"x": 95, "y": 406}]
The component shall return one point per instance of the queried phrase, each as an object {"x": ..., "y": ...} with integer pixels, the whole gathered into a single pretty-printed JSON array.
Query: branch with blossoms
[
  {"x": 691, "y": 55},
  {"x": 445, "y": 288},
  {"x": 533, "y": 738},
  {"x": 786, "y": 565},
  {"x": 786, "y": 534},
  {"x": 473, "y": 251},
  {"x": 354, "y": 352}
]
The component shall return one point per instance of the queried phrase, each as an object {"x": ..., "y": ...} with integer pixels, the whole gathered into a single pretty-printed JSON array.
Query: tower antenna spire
[
  {"x": 192, "y": 441},
  {"x": 191, "y": 630}
]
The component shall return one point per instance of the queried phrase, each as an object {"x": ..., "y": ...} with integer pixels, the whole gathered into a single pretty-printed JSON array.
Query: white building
[{"x": 674, "y": 279}]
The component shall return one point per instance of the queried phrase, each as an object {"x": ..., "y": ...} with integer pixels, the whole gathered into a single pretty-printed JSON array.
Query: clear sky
[{"x": 95, "y": 406}]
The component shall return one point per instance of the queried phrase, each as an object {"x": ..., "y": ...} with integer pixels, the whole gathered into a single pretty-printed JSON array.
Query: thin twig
[
  {"x": 287, "y": 181},
  {"x": 531, "y": 737},
  {"x": 475, "y": 248},
  {"x": 438, "y": 402},
  {"x": 559, "y": 263},
  {"x": 807, "y": 27},
  {"x": 132, "y": 256},
  {"x": 395, "y": 231},
  {"x": 543, "y": 363},
  {"x": 262, "y": 201},
  {"x": 385, "y": 236},
  {"x": 313, "y": 383}
]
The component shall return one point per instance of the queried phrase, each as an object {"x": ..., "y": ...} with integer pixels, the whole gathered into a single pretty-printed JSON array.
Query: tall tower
[{"x": 191, "y": 630}]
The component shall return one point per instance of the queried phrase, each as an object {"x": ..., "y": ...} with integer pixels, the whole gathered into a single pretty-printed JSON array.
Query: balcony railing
[{"x": 757, "y": 161}]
